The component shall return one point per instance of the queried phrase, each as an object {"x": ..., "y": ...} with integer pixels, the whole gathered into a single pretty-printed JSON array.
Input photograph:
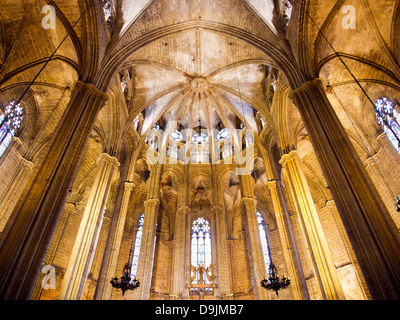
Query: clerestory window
[
  {"x": 136, "y": 250},
  {"x": 389, "y": 119},
  {"x": 264, "y": 241}
]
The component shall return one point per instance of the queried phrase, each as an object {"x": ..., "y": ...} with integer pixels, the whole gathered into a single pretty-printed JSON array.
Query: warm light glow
[
  {"x": 136, "y": 251},
  {"x": 201, "y": 243}
]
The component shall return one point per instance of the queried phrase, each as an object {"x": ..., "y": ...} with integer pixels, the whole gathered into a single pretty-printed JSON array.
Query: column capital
[
  {"x": 184, "y": 210},
  {"x": 108, "y": 159},
  {"x": 247, "y": 201},
  {"x": 16, "y": 142},
  {"x": 217, "y": 209},
  {"x": 371, "y": 161},
  {"x": 27, "y": 163},
  {"x": 91, "y": 90},
  {"x": 305, "y": 86},
  {"x": 382, "y": 136},
  {"x": 151, "y": 202},
  {"x": 292, "y": 155},
  {"x": 272, "y": 184},
  {"x": 128, "y": 185}
]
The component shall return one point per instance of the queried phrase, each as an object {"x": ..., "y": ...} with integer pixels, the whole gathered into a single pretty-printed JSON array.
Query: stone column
[
  {"x": 358, "y": 281},
  {"x": 180, "y": 266},
  {"x": 25, "y": 170},
  {"x": 224, "y": 278},
  {"x": 372, "y": 232},
  {"x": 256, "y": 257},
  {"x": 147, "y": 249},
  {"x": 111, "y": 254},
  {"x": 34, "y": 218},
  {"x": 255, "y": 253},
  {"x": 292, "y": 260},
  {"x": 324, "y": 268},
  {"x": 78, "y": 265}
]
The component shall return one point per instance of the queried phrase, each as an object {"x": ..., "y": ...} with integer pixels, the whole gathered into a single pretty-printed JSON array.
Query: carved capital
[
  {"x": 292, "y": 155},
  {"x": 217, "y": 210},
  {"x": 91, "y": 90},
  {"x": 108, "y": 160},
  {"x": 151, "y": 203},
  {"x": 271, "y": 184},
  {"x": 306, "y": 86},
  {"x": 246, "y": 201},
  {"x": 128, "y": 185},
  {"x": 184, "y": 210}
]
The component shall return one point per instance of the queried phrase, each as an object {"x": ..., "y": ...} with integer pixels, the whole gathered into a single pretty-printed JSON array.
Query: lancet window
[
  {"x": 264, "y": 241},
  {"x": 389, "y": 119},
  {"x": 136, "y": 250},
  {"x": 201, "y": 246}
]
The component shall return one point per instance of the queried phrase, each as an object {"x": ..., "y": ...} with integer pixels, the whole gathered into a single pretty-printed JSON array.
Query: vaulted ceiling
[
  {"x": 194, "y": 77},
  {"x": 167, "y": 45}
]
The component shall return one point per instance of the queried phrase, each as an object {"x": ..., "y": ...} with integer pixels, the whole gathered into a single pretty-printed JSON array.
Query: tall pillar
[
  {"x": 324, "y": 268},
  {"x": 34, "y": 218},
  {"x": 372, "y": 232},
  {"x": 147, "y": 249},
  {"x": 113, "y": 246},
  {"x": 224, "y": 278},
  {"x": 255, "y": 253},
  {"x": 24, "y": 171},
  {"x": 180, "y": 245},
  {"x": 83, "y": 249},
  {"x": 148, "y": 243},
  {"x": 292, "y": 260}
]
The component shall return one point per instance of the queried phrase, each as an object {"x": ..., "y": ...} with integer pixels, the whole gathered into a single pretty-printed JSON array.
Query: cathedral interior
[{"x": 199, "y": 147}]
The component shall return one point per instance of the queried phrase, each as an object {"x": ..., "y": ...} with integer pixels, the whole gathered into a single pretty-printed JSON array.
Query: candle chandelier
[
  {"x": 126, "y": 283},
  {"x": 274, "y": 282}
]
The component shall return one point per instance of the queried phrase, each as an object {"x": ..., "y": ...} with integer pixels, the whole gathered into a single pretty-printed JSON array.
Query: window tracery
[
  {"x": 10, "y": 124},
  {"x": 201, "y": 245},
  {"x": 389, "y": 119}
]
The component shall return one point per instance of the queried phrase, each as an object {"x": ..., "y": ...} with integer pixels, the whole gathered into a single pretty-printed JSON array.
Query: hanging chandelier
[
  {"x": 126, "y": 283},
  {"x": 274, "y": 282}
]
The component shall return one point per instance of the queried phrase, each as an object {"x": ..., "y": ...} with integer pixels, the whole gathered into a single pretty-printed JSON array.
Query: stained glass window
[
  {"x": 200, "y": 138},
  {"x": 287, "y": 10},
  {"x": 223, "y": 135},
  {"x": 201, "y": 244},
  {"x": 136, "y": 250},
  {"x": 176, "y": 135},
  {"x": 264, "y": 240},
  {"x": 108, "y": 12},
  {"x": 10, "y": 124},
  {"x": 389, "y": 119},
  {"x": 136, "y": 121}
]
